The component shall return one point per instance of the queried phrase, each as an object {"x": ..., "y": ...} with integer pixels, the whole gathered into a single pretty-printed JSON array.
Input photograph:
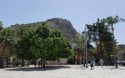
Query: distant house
[
  {"x": 121, "y": 52},
  {"x": 61, "y": 61}
]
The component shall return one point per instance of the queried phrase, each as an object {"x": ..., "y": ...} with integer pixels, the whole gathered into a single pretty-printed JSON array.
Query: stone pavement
[{"x": 67, "y": 71}]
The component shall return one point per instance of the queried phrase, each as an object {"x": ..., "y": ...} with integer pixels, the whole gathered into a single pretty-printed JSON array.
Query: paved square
[{"x": 68, "y": 71}]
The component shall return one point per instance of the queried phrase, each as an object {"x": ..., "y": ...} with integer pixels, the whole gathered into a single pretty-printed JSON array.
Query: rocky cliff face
[{"x": 63, "y": 25}]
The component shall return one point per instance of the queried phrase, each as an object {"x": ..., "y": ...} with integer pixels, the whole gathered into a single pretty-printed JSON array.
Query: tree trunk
[
  {"x": 35, "y": 63},
  {"x": 1, "y": 57},
  {"x": 1, "y": 63},
  {"x": 28, "y": 64},
  {"x": 98, "y": 52},
  {"x": 43, "y": 63},
  {"x": 17, "y": 63},
  {"x": 7, "y": 62},
  {"x": 22, "y": 63}
]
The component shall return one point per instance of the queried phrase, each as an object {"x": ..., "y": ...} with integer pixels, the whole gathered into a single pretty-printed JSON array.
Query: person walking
[
  {"x": 101, "y": 62},
  {"x": 92, "y": 64}
]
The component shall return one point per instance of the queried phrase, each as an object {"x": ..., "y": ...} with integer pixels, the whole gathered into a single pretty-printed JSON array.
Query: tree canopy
[{"x": 43, "y": 43}]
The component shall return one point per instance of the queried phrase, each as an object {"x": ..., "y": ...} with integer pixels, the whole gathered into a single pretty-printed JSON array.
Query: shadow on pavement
[
  {"x": 83, "y": 68},
  {"x": 113, "y": 68},
  {"x": 37, "y": 68}
]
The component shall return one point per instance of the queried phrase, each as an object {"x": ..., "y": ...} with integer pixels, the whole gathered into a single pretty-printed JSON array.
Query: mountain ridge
[{"x": 64, "y": 25}]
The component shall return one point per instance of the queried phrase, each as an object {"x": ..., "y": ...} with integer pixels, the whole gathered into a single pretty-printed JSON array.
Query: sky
[{"x": 78, "y": 12}]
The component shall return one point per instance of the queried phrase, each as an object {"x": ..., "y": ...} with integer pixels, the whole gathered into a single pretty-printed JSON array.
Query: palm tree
[{"x": 110, "y": 21}]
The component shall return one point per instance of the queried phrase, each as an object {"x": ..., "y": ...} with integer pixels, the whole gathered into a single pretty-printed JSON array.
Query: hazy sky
[{"x": 79, "y": 12}]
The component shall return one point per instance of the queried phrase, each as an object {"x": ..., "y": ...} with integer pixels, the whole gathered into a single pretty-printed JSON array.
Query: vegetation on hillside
[{"x": 63, "y": 25}]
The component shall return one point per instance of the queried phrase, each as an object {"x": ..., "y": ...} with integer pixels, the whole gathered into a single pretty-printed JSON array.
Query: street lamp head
[{"x": 83, "y": 32}]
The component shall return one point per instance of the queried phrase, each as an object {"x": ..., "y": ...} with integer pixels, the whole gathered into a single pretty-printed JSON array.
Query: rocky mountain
[{"x": 63, "y": 25}]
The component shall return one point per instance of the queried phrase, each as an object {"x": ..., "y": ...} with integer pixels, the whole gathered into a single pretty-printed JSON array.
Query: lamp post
[
  {"x": 83, "y": 49},
  {"x": 85, "y": 56}
]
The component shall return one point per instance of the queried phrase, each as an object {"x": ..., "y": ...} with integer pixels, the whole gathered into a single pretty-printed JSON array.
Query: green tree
[
  {"x": 25, "y": 47},
  {"x": 101, "y": 37},
  {"x": 79, "y": 49},
  {"x": 61, "y": 46},
  {"x": 42, "y": 43},
  {"x": 21, "y": 47},
  {"x": 6, "y": 41},
  {"x": 43, "y": 36},
  {"x": 1, "y": 39},
  {"x": 1, "y": 25},
  {"x": 53, "y": 44},
  {"x": 111, "y": 21}
]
